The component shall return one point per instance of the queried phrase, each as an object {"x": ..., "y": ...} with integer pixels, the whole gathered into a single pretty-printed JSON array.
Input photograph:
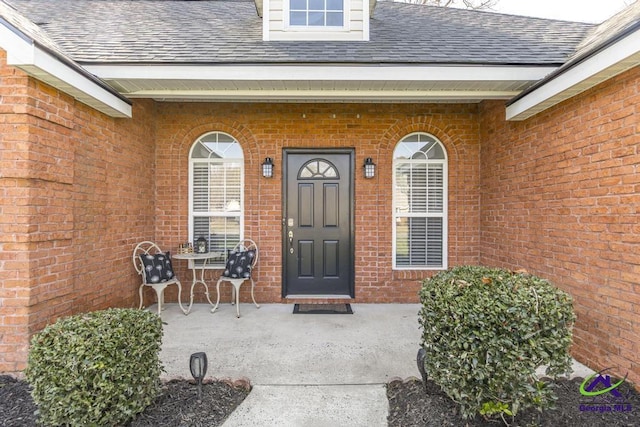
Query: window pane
[
  {"x": 316, "y": 19},
  {"x": 419, "y": 147},
  {"x": 435, "y": 152},
  {"x": 419, "y": 242},
  {"x": 334, "y": 19},
  {"x": 419, "y": 202},
  {"x": 216, "y": 193},
  {"x": 200, "y": 151},
  {"x": 298, "y": 5},
  {"x": 221, "y": 233},
  {"x": 298, "y": 18},
  {"x": 318, "y": 169},
  {"x": 419, "y": 188},
  {"x": 435, "y": 186},
  {"x": 200, "y": 187},
  {"x": 334, "y": 5},
  {"x": 224, "y": 187},
  {"x": 406, "y": 150},
  {"x": 316, "y": 4}
]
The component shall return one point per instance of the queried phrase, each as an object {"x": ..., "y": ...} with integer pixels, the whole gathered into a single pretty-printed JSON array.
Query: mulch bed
[
  {"x": 413, "y": 404},
  {"x": 177, "y": 404},
  {"x": 410, "y": 404}
]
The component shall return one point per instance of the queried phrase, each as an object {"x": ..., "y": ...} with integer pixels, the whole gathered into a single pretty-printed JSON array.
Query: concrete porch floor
[{"x": 305, "y": 369}]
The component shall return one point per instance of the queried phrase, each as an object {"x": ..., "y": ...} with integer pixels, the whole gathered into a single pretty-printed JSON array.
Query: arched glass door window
[
  {"x": 318, "y": 169},
  {"x": 216, "y": 196},
  {"x": 419, "y": 203}
]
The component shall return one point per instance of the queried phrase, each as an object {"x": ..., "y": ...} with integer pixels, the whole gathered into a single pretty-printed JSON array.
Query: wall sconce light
[
  {"x": 369, "y": 168},
  {"x": 198, "y": 367},
  {"x": 267, "y": 168}
]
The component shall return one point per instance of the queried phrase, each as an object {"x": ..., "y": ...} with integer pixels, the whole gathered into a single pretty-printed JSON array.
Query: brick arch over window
[
  {"x": 419, "y": 221},
  {"x": 462, "y": 146},
  {"x": 173, "y": 175},
  {"x": 216, "y": 193}
]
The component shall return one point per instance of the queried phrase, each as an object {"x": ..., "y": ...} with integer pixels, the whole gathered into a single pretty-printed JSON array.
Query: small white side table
[{"x": 193, "y": 257}]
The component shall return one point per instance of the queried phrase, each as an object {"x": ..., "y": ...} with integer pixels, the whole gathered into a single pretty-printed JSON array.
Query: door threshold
[{"x": 318, "y": 297}]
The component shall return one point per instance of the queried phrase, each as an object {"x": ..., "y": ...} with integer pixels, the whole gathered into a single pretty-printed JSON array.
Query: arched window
[
  {"x": 216, "y": 196},
  {"x": 419, "y": 203},
  {"x": 318, "y": 169}
]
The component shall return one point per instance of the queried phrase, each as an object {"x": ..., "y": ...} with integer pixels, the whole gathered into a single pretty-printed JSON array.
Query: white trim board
[
  {"x": 609, "y": 62},
  {"x": 24, "y": 53},
  {"x": 294, "y": 95}
]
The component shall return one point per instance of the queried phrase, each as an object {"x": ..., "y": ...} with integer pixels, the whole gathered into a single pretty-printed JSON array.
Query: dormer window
[
  {"x": 316, "y": 13},
  {"x": 297, "y": 20}
]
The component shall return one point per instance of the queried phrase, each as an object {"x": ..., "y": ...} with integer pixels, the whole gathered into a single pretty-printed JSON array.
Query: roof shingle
[{"x": 230, "y": 32}]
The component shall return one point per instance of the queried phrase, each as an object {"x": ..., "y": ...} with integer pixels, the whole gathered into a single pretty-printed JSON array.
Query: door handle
[{"x": 290, "y": 241}]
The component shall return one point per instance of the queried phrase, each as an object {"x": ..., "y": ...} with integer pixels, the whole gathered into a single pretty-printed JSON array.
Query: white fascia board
[
  {"x": 20, "y": 50},
  {"x": 328, "y": 72},
  {"x": 577, "y": 79},
  {"x": 23, "y": 53},
  {"x": 320, "y": 95}
]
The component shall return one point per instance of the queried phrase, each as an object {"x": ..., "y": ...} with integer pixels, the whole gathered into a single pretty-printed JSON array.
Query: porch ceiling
[{"x": 314, "y": 83}]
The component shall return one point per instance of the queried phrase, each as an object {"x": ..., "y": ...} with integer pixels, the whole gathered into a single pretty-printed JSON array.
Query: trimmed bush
[
  {"x": 99, "y": 368},
  {"x": 486, "y": 331}
]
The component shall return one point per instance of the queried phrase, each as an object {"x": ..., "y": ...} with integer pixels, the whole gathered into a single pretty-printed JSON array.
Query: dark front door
[{"x": 318, "y": 222}]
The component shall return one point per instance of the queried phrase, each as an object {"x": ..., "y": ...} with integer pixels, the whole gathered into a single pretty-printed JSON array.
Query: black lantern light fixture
[
  {"x": 198, "y": 367},
  {"x": 267, "y": 167},
  {"x": 201, "y": 245},
  {"x": 369, "y": 168}
]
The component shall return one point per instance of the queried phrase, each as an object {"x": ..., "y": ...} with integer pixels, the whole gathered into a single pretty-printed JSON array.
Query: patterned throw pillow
[
  {"x": 157, "y": 267},
  {"x": 239, "y": 264}
]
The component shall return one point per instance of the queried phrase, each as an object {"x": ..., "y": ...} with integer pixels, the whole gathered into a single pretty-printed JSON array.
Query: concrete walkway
[{"x": 306, "y": 369}]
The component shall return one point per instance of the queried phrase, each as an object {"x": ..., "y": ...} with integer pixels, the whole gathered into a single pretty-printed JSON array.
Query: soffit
[{"x": 326, "y": 83}]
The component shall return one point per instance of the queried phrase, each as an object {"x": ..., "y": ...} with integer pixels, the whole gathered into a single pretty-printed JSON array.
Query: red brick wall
[
  {"x": 263, "y": 130},
  {"x": 561, "y": 198},
  {"x": 76, "y": 192}
]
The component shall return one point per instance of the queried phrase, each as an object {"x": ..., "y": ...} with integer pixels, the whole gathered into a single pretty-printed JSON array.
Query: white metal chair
[
  {"x": 155, "y": 268},
  {"x": 239, "y": 268}
]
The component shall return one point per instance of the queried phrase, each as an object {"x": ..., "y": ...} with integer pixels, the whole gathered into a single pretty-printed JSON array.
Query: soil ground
[{"x": 410, "y": 404}]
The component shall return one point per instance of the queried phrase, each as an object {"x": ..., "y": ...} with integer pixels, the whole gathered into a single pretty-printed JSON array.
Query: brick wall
[
  {"x": 556, "y": 194},
  {"x": 76, "y": 191},
  {"x": 263, "y": 130},
  {"x": 561, "y": 198}
]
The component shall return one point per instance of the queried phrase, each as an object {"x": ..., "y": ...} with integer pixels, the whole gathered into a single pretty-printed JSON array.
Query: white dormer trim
[
  {"x": 276, "y": 26},
  {"x": 266, "y": 18}
]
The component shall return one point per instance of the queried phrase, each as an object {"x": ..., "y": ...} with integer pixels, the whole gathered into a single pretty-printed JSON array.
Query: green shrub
[
  {"x": 99, "y": 368},
  {"x": 485, "y": 331}
]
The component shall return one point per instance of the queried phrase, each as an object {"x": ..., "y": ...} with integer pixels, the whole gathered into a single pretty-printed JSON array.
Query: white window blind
[
  {"x": 216, "y": 194},
  {"x": 419, "y": 203}
]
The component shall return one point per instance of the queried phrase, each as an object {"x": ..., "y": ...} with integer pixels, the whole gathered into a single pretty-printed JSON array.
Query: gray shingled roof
[
  {"x": 214, "y": 32},
  {"x": 26, "y": 29}
]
